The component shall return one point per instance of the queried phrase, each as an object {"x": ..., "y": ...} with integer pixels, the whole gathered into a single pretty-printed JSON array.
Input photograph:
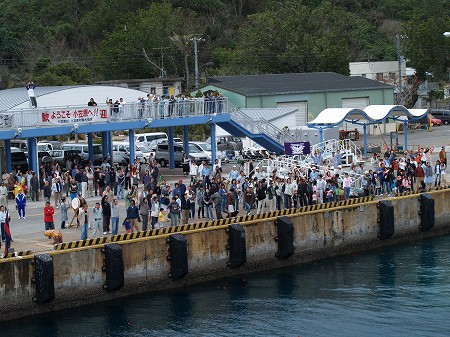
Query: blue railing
[{"x": 70, "y": 115}]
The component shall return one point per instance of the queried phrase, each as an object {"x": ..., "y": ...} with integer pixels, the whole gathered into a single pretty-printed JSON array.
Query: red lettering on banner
[{"x": 77, "y": 115}]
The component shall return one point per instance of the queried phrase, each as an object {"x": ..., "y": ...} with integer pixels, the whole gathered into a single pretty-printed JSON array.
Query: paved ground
[
  {"x": 28, "y": 233},
  {"x": 439, "y": 136}
]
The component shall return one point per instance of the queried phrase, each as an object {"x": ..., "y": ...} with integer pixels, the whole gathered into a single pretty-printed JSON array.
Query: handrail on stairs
[
  {"x": 348, "y": 149},
  {"x": 259, "y": 126},
  {"x": 285, "y": 165}
]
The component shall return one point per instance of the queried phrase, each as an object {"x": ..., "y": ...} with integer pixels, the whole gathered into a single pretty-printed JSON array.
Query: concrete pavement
[{"x": 28, "y": 233}]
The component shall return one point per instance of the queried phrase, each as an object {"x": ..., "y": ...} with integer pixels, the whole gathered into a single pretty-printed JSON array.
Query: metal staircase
[
  {"x": 259, "y": 130},
  {"x": 259, "y": 126}
]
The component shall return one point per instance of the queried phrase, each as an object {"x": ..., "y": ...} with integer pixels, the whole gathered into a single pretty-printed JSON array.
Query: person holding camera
[{"x": 31, "y": 95}]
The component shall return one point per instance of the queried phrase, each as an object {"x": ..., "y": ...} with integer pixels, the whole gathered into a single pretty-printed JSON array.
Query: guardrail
[
  {"x": 145, "y": 110},
  {"x": 259, "y": 126},
  {"x": 288, "y": 164},
  {"x": 346, "y": 147}
]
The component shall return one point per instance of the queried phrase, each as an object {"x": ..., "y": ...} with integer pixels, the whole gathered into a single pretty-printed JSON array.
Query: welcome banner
[{"x": 74, "y": 115}]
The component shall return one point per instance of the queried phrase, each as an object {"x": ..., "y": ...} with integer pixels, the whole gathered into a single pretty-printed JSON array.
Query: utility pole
[
  {"x": 196, "y": 39},
  {"x": 399, "y": 56}
]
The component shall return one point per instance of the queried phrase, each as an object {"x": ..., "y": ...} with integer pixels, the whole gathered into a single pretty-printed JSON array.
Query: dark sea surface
[{"x": 403, "y": 290}]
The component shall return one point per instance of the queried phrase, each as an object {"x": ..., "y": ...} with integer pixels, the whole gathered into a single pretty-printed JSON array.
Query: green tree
[
  {"x": 425, "y": 46},
  {"x": 182, "y": 42},
  {"x": 292, "y": 39},
  {"x": 64, "y": 73},
  {"x": 120, "y": 55},
  {"x": 10, "y": 51},
  {"x": 435, "y": 95}
]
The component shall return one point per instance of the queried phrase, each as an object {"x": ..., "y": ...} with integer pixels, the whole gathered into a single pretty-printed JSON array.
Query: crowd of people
[
  {"x": 165, "y": 106},
  {"x": 382, "y": 174},
  {"x": 206, "y": 192}
]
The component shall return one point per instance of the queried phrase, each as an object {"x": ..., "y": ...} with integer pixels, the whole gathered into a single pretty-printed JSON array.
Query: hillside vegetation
[{"x": 63, "y": 42}]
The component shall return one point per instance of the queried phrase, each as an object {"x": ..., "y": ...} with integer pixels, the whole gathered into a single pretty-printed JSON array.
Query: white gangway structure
[{"x": 283, "y": 165}]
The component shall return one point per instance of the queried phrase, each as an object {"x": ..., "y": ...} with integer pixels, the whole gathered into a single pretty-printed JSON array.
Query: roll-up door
[{"x": 301, "y": 115}]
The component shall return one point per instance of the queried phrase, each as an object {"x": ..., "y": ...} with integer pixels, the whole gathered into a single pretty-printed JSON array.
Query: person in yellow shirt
[
  {"x": 17, "y": 188},
  {"x": 161, "y": 217}
]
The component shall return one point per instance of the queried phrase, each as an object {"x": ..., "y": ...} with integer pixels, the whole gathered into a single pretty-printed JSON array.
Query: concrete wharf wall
[{"x": 78, "y": 275}]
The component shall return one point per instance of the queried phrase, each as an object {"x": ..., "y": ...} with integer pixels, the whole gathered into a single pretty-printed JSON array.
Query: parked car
[
  {"x": 49, "y": 145},
  {"x": 162, "y": 154},
  {"x": 83, "y": 152},
  {"x": 18, "y": 159},
  {"x": 64, "y": 157},
  {"x": 196, "y": 153},
  {"x": 146, "y": 151},
  {"x": 227, "y": 143},
  {"x": 442, "y": 114},
  {"x": 434, "y": 121},
  {"x": 121, "y": 153},
  {"x": 255, "y": 153},
  {"x": 425, "y": 120},
  {"x": 20, "y": 144},
  {"x": 202, "y": 147},
  {"x": 44, "y": 157},
  {"x": 176, "y": 140},
  {"x": 149, "y": 137}
]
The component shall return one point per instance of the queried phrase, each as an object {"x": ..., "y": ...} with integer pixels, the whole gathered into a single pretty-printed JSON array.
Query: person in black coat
[{"x": 106, "y": 212}]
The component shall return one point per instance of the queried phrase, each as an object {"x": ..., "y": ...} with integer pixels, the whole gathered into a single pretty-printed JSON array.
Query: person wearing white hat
[
  {"x": 314, "y": 174},
  {"x": 234, "y": 174}
]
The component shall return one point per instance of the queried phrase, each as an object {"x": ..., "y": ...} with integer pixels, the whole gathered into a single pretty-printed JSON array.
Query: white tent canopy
[
  {"x": 369, "y": 115},
  {"x": 372, "y": 114},
  {"x": 335, "y": 116}
]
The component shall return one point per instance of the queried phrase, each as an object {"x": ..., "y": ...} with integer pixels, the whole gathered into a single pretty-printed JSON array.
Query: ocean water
[{"x": 402, "y": 290}]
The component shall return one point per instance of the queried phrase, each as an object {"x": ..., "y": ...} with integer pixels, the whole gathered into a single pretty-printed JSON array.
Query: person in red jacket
[
  {"x": 419, "y": 174},
  {"x": 48, "y": 216}
]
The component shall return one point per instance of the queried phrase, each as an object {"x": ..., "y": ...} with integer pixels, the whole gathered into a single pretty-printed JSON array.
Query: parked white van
[
  {"x": 49, "y": 145},
  {"x": 20, "y": 144},
  {"x": 147, "y": 138},
  {"x": 121, "y": 153}
]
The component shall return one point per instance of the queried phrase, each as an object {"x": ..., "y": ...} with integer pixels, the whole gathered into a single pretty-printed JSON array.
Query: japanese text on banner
[{"x": 74, "y": 115}]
